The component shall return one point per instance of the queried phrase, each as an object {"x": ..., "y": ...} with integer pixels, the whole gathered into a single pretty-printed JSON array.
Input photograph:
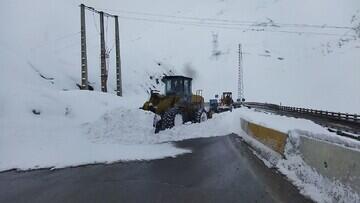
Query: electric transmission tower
[{"x": 240, "y": 76}]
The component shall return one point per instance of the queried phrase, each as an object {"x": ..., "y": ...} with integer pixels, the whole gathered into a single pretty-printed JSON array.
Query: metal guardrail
[{"x": 313, "y": 112}]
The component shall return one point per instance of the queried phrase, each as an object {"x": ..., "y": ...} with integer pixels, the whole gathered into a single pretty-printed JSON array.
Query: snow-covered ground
[
  {"x": 81, "y": 127},
  {"x": 55, "y": 138}
]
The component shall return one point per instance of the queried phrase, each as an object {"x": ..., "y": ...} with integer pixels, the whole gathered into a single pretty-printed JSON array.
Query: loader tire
[
  {"x": 200, "y": 116},
  {"x": 158, "y": 127},
  {"x": 171, "y": 117}
]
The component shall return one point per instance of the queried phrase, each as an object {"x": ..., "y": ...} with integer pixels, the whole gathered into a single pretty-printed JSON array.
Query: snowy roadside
[
  {"x": 304, "y": 177},
  {"x": 292, "y": 164},
  {"x": 301, "y": 126},
  {"x": 44, "y": 125},
  {"x": 134, "y": 126},
  {"x": 55, "y": 138},
  {"x": 81, "y": 127}
]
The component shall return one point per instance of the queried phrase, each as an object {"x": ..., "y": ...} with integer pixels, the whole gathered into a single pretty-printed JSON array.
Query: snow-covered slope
[{"x": 301, "y": 69}]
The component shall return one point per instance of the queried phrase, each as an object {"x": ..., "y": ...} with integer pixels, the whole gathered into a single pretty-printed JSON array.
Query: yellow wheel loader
[
  {"x": 177, "y": 106},
  {"x": 226, "y": 102}
]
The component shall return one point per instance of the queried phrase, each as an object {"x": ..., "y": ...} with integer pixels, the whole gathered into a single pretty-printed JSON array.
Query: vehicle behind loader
[
  {"x": 226, "y": 102},
  {"x": 178, "y": 105}
]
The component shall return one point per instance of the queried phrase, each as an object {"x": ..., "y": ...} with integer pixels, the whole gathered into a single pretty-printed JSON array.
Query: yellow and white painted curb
[
  {"x": 271, "y": 138},
  {"x": 331, "y": 160}
]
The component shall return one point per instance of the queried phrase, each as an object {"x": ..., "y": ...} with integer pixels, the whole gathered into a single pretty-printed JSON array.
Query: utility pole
[
  {"x": 240, "y": 77},
  {"x": 118, "y": 61},
  {"x": 84, "y": 71},
  {"x": 103, "y": 54}
]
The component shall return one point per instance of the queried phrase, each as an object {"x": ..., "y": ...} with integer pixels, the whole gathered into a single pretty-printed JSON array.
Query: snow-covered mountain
[{"x": 287, "y": 59}]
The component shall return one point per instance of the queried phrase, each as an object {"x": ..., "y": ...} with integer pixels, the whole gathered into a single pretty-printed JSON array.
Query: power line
[
  {"x": 96, "y": 26},
  {"x": 211, "y": 25},
  {"x": 106, "y": 30},
  {"x": 92, "y": 9},
  {"x": 234, "y": 22}
]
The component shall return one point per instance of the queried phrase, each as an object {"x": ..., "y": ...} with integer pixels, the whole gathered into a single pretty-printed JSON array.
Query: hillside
[{"x": 286, "y": 60}]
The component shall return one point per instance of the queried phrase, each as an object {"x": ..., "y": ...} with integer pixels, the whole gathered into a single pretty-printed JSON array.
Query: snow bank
[
  {"x": 72, "y": 128},
  {"x": 128, "y": 126},
  {"x": 43, "y": 124},
  {"x": 301, "y": 126},
  {"x": 53, "y": 136},
  {"x": 308, "y": 180},
  {"x": 292, "y": 164}
]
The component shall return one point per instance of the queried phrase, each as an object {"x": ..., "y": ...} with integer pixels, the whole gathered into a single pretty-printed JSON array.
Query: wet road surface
[{"x": 220, "y": 169}]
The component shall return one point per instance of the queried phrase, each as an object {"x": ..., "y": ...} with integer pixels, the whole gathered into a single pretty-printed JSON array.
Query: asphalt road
[{"x": 220, "y": 169}]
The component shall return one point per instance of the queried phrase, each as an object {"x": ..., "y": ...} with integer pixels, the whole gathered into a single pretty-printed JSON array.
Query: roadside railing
[{"x": 313, "y": 112}]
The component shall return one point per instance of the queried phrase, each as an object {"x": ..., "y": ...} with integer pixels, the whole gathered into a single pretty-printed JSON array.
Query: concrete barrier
[
  {"x": 271, "y": 138},
  {"x": 332, "y": 161}
]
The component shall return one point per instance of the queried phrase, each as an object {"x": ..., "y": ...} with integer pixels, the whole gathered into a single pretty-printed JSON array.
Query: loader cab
[
  {"x": 227, "y": 95},
  {"x": 227, "y": 99},
  {"x": 177, "y": 86}
]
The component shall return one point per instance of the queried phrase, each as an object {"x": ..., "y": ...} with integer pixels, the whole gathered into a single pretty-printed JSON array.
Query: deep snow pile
[
  {"x": 55, "y": 138},
  {"x": 44, "y": 125},
  {"x": 42, "y": 119},
  {"x": 130, "y": 127}
]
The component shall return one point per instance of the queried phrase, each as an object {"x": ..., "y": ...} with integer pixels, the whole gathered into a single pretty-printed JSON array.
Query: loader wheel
[
  {"x": 200, "y": 116},
  {"x": 158, "y": 127},
  {"x": 210, "y": 114},
  {"x": 173, "y": 117}
]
